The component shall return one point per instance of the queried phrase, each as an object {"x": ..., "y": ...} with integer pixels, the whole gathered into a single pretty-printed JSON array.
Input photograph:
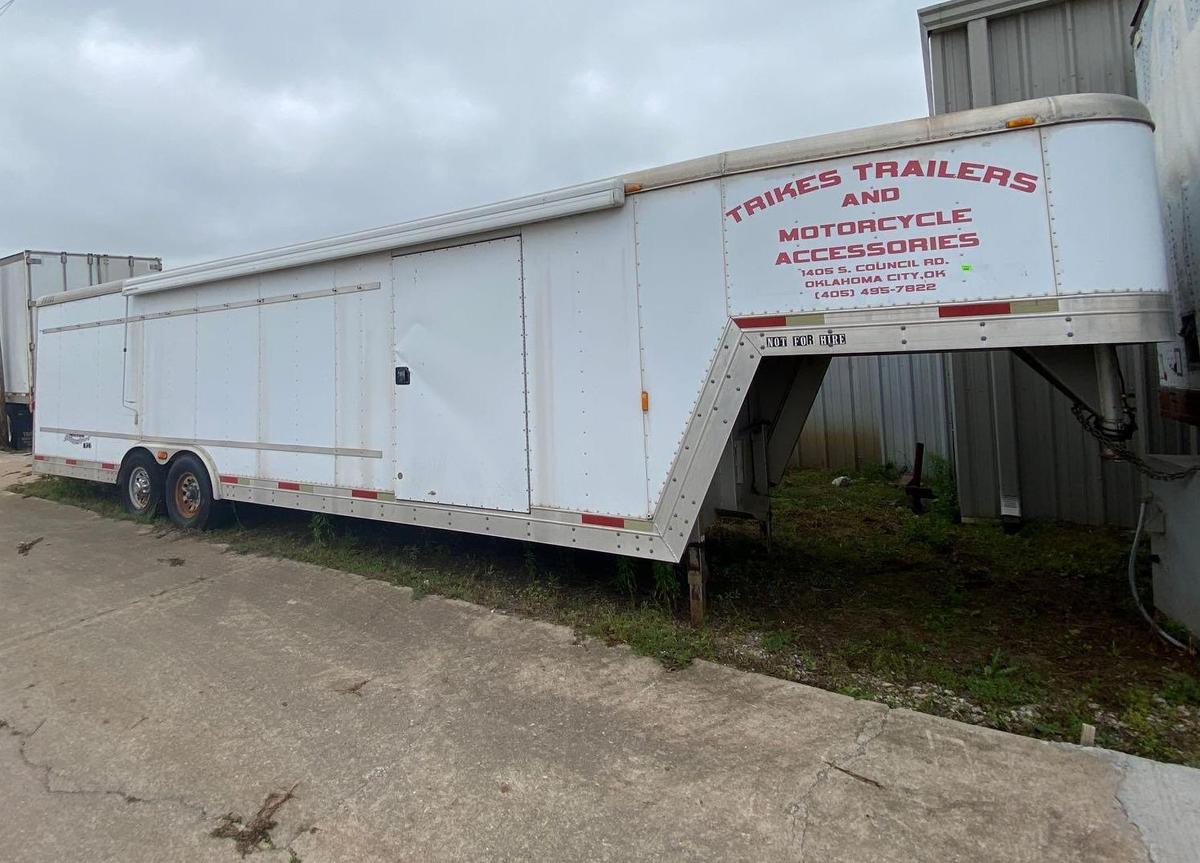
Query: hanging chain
[{"x": 1090, "y": 421}]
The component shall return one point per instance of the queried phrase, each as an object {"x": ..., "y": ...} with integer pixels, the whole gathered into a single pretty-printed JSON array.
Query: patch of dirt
[
  {"x": 24, "y": 547},
  {"x": 255, "y": 834},
  {"x": 172, "y": 561}
]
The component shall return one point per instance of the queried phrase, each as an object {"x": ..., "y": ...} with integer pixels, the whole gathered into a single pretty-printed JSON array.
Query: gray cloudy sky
[{"x": 198, "y": 130}]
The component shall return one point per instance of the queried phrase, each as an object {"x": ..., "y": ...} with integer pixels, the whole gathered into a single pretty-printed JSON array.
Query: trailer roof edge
[
  {"x": 543, "y": 206},
  {"x": 84, "y": 293},
  {"x": 609, "y": 193},
  {"x": 1045, "y": 111}
]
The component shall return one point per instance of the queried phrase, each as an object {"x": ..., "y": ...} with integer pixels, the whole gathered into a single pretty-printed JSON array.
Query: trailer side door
[{"x": 460, "y": 425}]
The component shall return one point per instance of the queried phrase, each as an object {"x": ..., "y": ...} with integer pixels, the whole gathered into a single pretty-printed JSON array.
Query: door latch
[{"x": 403, "y": 376}]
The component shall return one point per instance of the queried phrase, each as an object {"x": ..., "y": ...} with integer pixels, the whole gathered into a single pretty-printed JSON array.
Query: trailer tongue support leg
[{"x": 697, "y": 571}]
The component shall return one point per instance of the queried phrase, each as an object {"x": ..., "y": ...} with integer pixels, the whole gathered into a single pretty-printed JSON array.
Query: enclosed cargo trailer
[
  {"x": 609, "y": 366},
  {"x": 1166, "y": 37},
  {"x": 1166, "y": 40},
  {"x": 28, "y": 276}
]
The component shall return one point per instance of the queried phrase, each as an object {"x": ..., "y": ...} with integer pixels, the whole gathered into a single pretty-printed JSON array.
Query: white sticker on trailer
[{"x": 944, "y": 223}]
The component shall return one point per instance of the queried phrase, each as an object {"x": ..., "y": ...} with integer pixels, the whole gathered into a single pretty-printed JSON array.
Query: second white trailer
[
  {"x": 26, "y": 277},
  {"x": 608, "y": 365}
]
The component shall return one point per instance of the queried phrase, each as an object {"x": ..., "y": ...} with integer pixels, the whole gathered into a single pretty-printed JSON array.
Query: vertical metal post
[
  {"x": 5, "y": 436},
  {"x": 979, "y": 59},
  {"x": 1004, "y": 405},
  {"x": 697, "y": 567}
]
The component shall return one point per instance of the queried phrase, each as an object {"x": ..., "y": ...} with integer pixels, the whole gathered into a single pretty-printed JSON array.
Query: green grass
[{"x": 1032, "y": 632}]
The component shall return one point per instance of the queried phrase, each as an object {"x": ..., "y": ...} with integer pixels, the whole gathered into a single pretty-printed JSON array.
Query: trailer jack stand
[
  {"x": 918, "y": 493},
  {"x": 697, "y": 572}
]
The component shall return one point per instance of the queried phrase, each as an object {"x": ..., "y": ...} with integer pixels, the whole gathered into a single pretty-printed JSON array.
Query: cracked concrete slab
[{"x": 144, "y": 701}]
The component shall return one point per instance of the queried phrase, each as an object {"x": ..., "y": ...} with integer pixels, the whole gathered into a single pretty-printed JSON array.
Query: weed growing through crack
[{"x": 255, "y": 834}]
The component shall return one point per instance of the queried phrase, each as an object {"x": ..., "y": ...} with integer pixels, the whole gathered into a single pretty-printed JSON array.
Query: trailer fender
[
  {"x": 164, "y": 455},
  {"x": 201, "y": 453}
]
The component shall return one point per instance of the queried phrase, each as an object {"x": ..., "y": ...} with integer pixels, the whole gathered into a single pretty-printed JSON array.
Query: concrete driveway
[{"x": 151, "y": 683}]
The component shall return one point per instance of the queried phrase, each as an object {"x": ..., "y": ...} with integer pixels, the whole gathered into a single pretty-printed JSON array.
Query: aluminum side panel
[
  {"x": 681, "y": 296},
  {"x": 460, "y": 423},
  {"x": 82, "y": 371},
  {"x": 1104, "y": 208},
  {"x": 586, "y": 431},
  {"x": 168, "y": 397},
  {"x": 1167, "y": 52},
  {"x": 47, "y": 276},
  {"x": 363, "y": 367},
  {"x": 955, "y": 222},
  {"x": 78, "y": 271},
  {"x": 296, "y": 385},
  {"x": 228, "y": 373},
  {"x": 14, "y": 327}
]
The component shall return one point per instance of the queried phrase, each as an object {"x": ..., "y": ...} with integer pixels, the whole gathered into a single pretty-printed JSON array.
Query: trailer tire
[
  {"x": 141, "y": 484},
  {"x": 189, "y": 493}
]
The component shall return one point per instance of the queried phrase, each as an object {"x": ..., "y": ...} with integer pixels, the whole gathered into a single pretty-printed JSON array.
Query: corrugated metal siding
[
  {"x": 948, "y": 53},
  {"x": 875, "y": 409},
  {"x": 1074, "y": 46}
]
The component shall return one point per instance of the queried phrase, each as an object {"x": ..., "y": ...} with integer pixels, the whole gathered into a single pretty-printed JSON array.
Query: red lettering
[
  {"x": 1023, "y": 182},
  {"x": 735, "y": 213},
  {"x": 789, "y": 235},
  {"x": 992, "y": 174},
  {"x": 786, "y": 189},
  {"x": 755, "y": 204},
  {"x": 829, "y": 178},
  {"x": 966, "y": 171},
  {"x": 807, "y": 184}
]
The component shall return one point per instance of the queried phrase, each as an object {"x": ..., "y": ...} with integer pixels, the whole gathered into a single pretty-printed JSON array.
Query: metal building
[{"x": 1016, "y": 448}]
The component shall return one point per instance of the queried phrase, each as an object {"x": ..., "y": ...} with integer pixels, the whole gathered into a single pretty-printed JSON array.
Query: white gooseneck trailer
[{"x": 608, "y": 365}]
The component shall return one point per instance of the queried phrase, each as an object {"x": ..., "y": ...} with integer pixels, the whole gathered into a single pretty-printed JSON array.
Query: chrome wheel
[
  {"x": 187, "y": 495},
  {"x": 140, "y": 487}
]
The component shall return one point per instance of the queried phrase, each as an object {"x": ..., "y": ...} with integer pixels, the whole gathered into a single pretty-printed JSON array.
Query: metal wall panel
[
  {"x": 874, "y": 409},
  {"x": 1073, "y": 46}
]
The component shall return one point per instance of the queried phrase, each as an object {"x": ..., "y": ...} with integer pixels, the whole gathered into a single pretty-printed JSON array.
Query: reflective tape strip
[
  {"x": 64, "y": 461},
  {"x": 1027, "y": 307},
  {"x": 602, "y": 520},
  {"x": 305, "y": 488},
  {"x": 761, "y": 321},
  {"x": 966, "y": 310},
  {"x": 755, "y": 322}
]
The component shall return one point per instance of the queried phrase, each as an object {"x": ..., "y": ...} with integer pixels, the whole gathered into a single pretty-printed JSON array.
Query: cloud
[{"x": 195, "y": 131}]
